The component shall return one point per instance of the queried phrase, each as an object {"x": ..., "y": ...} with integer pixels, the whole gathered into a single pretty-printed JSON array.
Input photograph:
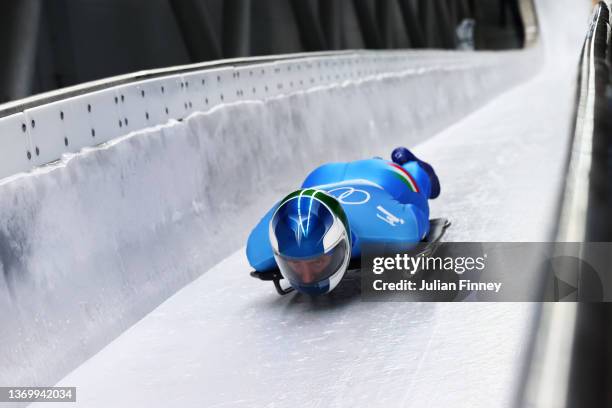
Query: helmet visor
[{"x": 308, "y": 271}]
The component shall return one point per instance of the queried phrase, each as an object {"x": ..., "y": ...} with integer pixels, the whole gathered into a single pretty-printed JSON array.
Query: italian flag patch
[{"x": 404, "y": 176}]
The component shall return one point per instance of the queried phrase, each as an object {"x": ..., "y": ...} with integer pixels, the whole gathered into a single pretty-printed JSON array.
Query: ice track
[{"x": 228, "y": 340}]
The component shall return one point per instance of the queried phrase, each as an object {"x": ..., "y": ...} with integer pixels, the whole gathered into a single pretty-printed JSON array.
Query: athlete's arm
[{"x": 258, "y": 250}]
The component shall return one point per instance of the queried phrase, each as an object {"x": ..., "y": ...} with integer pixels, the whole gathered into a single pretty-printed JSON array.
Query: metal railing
[
  {"x": 570, "y": 361},
  {"x": 585, "y": 212}
]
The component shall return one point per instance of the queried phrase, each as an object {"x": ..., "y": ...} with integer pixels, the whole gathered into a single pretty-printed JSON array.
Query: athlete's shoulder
[{"x": 325, "y": 174}]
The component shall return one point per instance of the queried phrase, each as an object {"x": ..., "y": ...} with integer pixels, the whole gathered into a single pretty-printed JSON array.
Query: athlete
[{"x": 311, "y": 235}]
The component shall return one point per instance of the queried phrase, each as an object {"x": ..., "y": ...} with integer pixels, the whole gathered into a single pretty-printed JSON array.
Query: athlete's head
[{"x": 310, "y": 237}]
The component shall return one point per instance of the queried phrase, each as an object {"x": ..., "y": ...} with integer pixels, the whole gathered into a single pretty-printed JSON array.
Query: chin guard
[{"x": 275, "y": 276}]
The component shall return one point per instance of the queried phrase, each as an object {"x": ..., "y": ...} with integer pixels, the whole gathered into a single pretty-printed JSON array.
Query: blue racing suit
[{"x": 383, "y": 201}]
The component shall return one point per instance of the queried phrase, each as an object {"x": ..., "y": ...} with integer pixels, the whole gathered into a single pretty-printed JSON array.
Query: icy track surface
[{"x": 227, "y": 340}]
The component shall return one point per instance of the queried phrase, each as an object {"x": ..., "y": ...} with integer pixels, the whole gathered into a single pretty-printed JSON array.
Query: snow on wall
[{"x": 92, "y": 243}]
